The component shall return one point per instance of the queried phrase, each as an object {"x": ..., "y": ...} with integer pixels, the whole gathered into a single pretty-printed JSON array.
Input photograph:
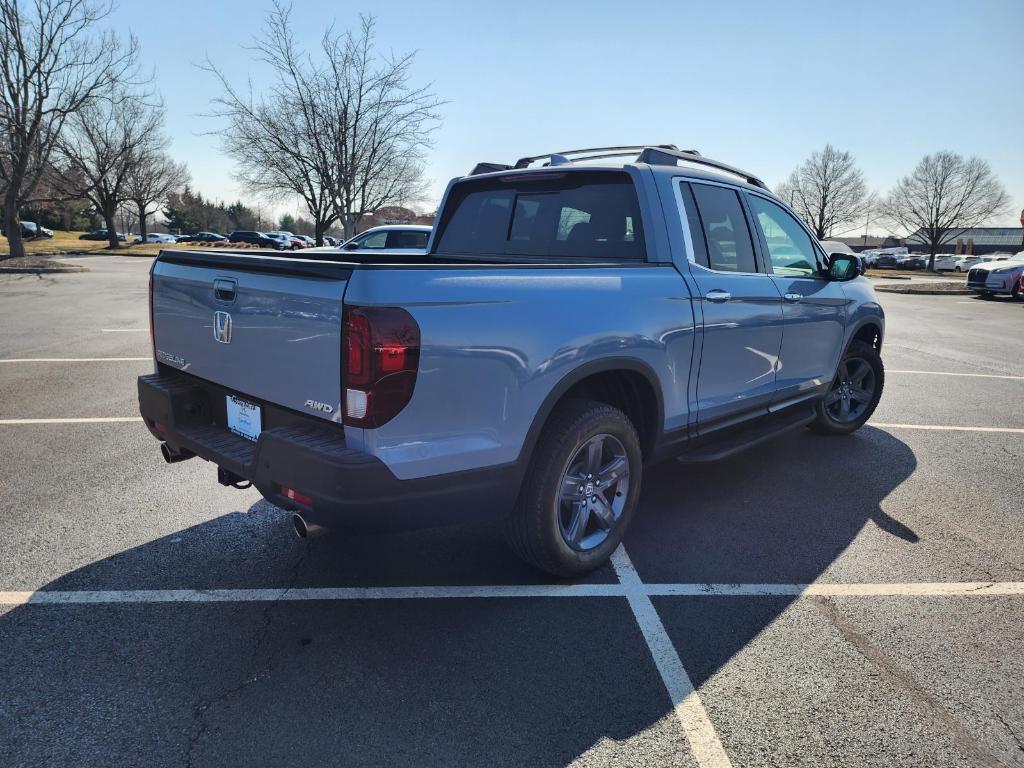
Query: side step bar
[{"x": 746, "y": 435}]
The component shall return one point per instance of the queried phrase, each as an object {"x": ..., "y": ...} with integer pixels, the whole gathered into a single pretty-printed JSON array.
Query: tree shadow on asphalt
[{"x": 425, "y": 682}]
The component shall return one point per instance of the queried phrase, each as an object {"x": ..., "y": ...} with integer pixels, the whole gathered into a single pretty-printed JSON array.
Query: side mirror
[
  {"x": 351, "y": 246},
  {"x": 844, "y": 266}
]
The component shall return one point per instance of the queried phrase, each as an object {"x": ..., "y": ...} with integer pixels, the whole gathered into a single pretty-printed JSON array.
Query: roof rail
[
  {"x": 557, "y": 158},
  {"x": 662, "y": 156},
  {"x": 651, "y": 154}
]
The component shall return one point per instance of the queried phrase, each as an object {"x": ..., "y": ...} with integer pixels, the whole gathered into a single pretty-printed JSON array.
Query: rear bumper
[{"x": 349, "y": 489}]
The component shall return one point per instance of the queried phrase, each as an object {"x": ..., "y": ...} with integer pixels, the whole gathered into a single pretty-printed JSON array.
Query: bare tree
[
  {"x": 152, "y": 176},
  {"x": 828, "y": 192},
  {"x": 103, "y": 142},
  {"x": 52, "y": 64},
  {"x": 944, "y": 195},
  {"x": 344, "y": 130}
]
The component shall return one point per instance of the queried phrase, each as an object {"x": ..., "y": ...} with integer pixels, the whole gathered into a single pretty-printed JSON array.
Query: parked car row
[{"x": 32, "y": 231}]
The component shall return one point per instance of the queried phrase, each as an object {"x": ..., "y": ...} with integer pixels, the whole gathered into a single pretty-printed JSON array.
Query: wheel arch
[
  {"x": 869, "y": 331},
  {"x": 608, "y": 380}
]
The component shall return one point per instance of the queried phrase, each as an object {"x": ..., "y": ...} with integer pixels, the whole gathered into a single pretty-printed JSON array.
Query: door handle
[
  {"x": 793, "y": 298},
  {"x": 717, "y": 296}
]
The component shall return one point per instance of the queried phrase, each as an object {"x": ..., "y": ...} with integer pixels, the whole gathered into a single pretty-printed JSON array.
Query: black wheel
[
  {"x": 580, "y": 492},
  {"x": 855, "y": 392}
]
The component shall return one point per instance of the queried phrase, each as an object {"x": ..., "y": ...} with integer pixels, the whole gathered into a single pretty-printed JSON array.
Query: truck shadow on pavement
[{"x": 506, "y": 681}]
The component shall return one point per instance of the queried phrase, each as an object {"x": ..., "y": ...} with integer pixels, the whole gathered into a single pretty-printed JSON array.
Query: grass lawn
[{"x": 68, "y": 242}]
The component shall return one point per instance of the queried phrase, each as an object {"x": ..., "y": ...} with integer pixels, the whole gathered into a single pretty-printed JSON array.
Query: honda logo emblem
[{"x": 222, "y": 327}]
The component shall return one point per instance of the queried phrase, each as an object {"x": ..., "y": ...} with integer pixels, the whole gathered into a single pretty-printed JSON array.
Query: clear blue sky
[{"x": 757, "y": 84}]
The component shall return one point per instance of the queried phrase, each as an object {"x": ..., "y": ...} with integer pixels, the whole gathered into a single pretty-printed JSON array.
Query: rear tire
[
  {"x": 568, "y": 532},
  {"x": 855, "y": 392}
]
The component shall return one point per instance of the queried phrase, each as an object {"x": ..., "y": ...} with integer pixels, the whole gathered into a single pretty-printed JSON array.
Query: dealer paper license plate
[{"x": 244, "y": 418}]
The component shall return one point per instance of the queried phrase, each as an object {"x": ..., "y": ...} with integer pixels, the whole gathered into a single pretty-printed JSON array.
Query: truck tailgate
[{"x": 267, "y": 327}]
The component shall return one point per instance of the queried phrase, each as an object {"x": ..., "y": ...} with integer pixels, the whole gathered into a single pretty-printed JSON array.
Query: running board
[{"x": 747, "y": 435}]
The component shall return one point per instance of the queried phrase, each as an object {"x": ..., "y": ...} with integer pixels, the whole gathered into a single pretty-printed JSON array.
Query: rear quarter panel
[{"x": 496, "y": 340}]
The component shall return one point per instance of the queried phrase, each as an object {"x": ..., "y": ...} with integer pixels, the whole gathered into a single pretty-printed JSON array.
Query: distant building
[
  {"x": 863, "y": 242},
  {"x": 394, "y": 215},
  {"x": 979, "y": 240}
]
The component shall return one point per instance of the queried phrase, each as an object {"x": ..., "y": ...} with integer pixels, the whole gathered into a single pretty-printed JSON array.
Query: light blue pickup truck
[{"x": 577, "y": 316}]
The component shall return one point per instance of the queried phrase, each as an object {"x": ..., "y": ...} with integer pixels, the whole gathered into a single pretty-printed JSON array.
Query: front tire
[
  {"x": 855, "y": 392},
  {"x": 580, "y": 492}
]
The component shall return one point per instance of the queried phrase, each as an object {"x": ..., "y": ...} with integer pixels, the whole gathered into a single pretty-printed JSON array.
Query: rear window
[{"x": 565, "y": 215}]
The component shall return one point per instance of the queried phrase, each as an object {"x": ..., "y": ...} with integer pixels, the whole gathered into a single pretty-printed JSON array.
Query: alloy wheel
[
  {"x": 852, "y": 390},
  {"x": 593, "y": 492}
]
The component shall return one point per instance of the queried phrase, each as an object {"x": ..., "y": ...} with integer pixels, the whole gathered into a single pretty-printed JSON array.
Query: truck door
[
  {"x": 741, "y": 308},
  {"x": 813, "y": 307}
]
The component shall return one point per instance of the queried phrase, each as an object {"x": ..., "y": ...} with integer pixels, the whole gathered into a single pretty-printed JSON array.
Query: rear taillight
[
  {"x": 152, "y": 336},
  {"x": 381, "y": 352}
]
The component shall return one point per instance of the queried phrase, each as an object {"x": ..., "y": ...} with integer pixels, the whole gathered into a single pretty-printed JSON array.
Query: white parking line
[
  {"x": 944, "y": 428},
  {"x": 948, "y": 373},
  {"x": 74, "y": 359},
  {"x": 88, "y": 420},
  {"x": 866, "y": 589},
  {"x": 879, "y": 424},
  {"x": 912, "y": 589},
  {"x": 89, "y": 597},
  {"x": 700, "y": 732},
  {"x": 124, "y": 330}
]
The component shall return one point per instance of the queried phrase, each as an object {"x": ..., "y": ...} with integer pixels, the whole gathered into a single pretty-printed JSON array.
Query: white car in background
[
  {"x": 391, "y": 238},
  {"x": 1001, "y": 276},
  {"x": 951, "y": 262},
  {"x": 155, "y": 237}
]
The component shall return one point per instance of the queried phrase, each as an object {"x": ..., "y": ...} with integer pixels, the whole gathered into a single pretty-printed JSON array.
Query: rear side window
[
  {"x": 700, "y": 248},
  {"x": 407, "y": 239},
  {"x": 730, "y": 248},
  {"x": 564, "y": 215}
]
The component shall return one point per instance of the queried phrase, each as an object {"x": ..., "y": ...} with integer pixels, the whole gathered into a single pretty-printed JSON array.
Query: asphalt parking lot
[{"x": 816, "y": 601}]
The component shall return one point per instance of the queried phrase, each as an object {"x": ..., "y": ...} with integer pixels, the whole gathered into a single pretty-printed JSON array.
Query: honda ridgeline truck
[{"x": 576, "y": 317}]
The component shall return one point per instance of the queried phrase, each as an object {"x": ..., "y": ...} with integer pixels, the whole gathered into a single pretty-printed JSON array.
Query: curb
[
  {"x": 921, "y": 292},
  {"x": 40, "y": 270}
]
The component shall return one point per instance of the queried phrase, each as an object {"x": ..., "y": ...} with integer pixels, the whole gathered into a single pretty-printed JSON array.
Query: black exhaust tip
[{"x": 172, "y": 456}]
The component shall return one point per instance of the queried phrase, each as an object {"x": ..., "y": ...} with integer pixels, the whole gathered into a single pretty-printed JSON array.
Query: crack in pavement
[
  {"x": 897, "y": 676},
  {"x": 199, "y": 710},
  {"x": 1013, "y": 733}
]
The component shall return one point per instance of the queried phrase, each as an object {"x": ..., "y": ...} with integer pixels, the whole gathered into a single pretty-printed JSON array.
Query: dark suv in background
[
  {"x": 30, "y": 231},
  {"x": 256, "y": 238}
]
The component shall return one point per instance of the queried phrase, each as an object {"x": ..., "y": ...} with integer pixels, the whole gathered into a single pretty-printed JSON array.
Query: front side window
[
  {"x": 730, "y": 248},
  {"x": 587, "y": 215},
  {"x": 375, "y": 240},
  {"x": 789, "y": 245}
]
